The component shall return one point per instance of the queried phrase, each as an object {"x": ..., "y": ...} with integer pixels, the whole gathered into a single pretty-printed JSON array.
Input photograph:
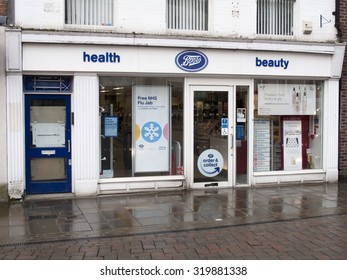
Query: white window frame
[
  {"x": 89, "y": 12},
  {"x": 188, "y": 19},
  {"x": 275, "y": 17}
]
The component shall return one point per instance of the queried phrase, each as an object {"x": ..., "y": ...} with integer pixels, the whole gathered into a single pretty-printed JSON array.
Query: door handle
[
  {"x": 68, "y": 146},
  {"x": 231, "y": 141}
]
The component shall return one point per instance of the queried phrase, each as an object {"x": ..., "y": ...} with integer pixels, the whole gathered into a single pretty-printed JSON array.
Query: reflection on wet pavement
[{"x": 35, "y": 220}]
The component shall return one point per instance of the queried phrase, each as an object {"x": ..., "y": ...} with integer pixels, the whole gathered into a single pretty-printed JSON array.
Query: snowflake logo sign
[{"x": 151, "y": 132}]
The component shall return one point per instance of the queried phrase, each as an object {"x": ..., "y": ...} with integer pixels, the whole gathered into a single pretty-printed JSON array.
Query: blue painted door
[{"x": 48, "y": 143}]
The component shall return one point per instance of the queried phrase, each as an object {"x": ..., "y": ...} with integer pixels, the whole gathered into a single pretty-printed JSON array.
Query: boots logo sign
[{"x": 191, "y": 61}]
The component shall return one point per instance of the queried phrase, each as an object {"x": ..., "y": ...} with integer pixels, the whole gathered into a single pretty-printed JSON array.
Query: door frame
[
  {"x": 48, "y": 187},
  {"x": 192, "y": 85}
]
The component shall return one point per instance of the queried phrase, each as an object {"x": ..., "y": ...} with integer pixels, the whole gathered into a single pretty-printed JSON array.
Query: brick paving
[
  {"x": 283, "y": 222},
  {"x": 322, "y": 238}
]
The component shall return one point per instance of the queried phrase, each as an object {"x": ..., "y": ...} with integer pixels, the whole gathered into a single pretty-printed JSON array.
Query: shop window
[
  {"x": 275, "y": 17},
  {"x": 47, "y": 83},
  {"x": 187, "y": 14},
  {"x": 89, "y": 12},
  {"x": 242, "y": 136},
  {"x": 287, "y": 125},
  {"x": 141, "y": 127}
]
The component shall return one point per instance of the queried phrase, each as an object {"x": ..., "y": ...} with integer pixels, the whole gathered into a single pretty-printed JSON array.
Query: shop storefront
[{"x": 114, "y": 118}]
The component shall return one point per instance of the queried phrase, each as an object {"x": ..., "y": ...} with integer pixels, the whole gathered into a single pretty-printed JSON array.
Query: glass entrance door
[
  {"x": 213, "y": 136},
  {"x": 48, "y": 143}
]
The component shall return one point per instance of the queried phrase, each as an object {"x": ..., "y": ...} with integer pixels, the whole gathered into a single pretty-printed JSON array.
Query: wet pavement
[{"x": 40, "y": 220}]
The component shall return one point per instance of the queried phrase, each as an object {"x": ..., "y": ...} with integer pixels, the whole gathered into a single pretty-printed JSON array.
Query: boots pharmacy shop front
[{"x": 108, "y": 118}]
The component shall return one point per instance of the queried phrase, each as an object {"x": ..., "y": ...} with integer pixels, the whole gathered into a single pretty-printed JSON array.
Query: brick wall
[
  {"x": 3, "y": 7},
  {"x": 343, "y": 98}
]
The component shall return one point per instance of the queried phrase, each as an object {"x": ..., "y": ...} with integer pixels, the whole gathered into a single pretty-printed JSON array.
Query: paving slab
[{"x": 305, "y": 221}]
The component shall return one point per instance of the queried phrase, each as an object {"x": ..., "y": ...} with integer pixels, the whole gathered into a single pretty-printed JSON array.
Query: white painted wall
[
  {"x": 40, "y": 14},
  {"x": 231, "y": 19},
  {"x": 331, "y": 130},
  {"x": 140, "y": 16}
]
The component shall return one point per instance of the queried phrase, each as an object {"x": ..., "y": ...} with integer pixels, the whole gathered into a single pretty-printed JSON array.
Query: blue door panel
[{"x": 32, "y": 153}]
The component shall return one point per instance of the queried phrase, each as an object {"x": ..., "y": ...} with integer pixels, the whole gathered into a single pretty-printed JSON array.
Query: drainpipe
[{"x": 11, "y": 12}]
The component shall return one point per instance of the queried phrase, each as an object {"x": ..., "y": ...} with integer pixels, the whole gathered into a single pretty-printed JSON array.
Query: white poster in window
[
  {"x": 47, "y": 135},
  {"x": 292, "y": 145},
  {"x": 285, "y": 99},
  {"x": 241, "y": 115},
  {"x": 261, "y": 153},
  {"x": 151, "y": 128}
]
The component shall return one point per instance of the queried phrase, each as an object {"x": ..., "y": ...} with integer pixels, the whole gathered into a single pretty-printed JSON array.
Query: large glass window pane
[
  {"x": 287, "y": 125},
  {"x": 141, "y": 126},
  {"x": 242, "y": 137}
]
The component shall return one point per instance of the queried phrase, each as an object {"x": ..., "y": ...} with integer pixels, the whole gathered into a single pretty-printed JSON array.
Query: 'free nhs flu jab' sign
[{"x": 152, "y": 128}]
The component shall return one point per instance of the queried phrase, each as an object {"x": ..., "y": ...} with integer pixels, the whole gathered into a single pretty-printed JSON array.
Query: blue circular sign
[
  {"x": 191, "y": 61},
  {"x": 151, "y": 132}
]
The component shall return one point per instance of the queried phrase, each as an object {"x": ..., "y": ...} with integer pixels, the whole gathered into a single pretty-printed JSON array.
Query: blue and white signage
[
  {"x": 224, "y": 126},
  {"x": 111, "y": 126},
  {"x": 210, "y": 163},
  {"x": 191, "y": 61}
]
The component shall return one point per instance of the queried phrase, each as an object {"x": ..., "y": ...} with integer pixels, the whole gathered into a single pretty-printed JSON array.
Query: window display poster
[
  {"x": 286, "y": 99},
  {"x": 241, "y": 115},
  {"x": 151, "y": 131},
  {"x": 292, "y": 145},
  {"x": 111, "y": 126},
  {"x": 261, "y": 156}
]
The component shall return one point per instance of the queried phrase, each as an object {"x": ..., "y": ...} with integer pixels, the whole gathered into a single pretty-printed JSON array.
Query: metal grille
[
  {"x": 89, "y": 12},
  {"x": 275, "y": 17},
  {"x": 47, "y": 83},
  {"x": 187, "y": 14}
]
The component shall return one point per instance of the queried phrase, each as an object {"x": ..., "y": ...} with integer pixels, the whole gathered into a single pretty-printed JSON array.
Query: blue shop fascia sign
[{"x": 191, "y": 61}]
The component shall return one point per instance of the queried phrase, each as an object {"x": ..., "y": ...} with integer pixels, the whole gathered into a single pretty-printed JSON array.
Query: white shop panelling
[
  {"x": 13, "y": 50},
  {"x": 15, "y": 136},
  {"x": 331, "y": 129},
  {"x": 85, "y": 148}
]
